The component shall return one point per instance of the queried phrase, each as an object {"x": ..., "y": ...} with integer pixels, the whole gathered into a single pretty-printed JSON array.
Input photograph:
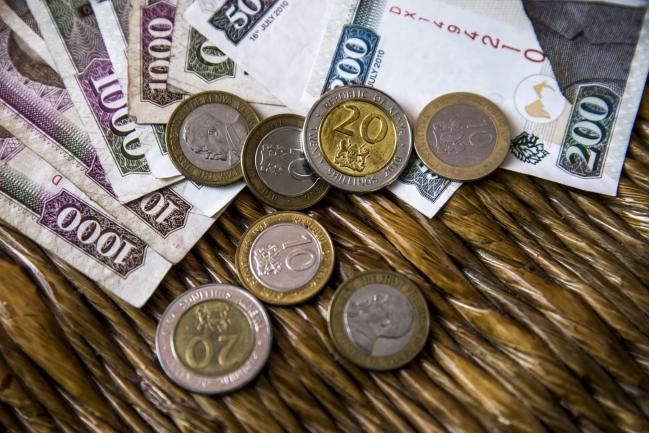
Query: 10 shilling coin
[
  {"x": 462, "y": 136},
  {"x": 274, "y": 166},
  {"x": 378, "y": 320},
  {"x": 285, "y": 258},
  {"x": 214, "y": 339},
  {"x": 205, "y": 135},
  {"x": 357, "y": 138}
]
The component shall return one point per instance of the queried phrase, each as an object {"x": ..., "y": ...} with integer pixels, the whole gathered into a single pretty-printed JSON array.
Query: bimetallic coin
[
  {"x": 213, "y": 339},
  {"x": 205, "y": 135},
  {"x": 462, "y": 136},
  {"x": 274, "y": 166},
  {"x": 285, "y": 258},
  {"x": 357, "y": 138},
  {"x": 378, "y": 320}
]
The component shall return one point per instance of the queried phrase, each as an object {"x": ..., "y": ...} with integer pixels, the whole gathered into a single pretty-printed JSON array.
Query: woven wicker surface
[{"x": 539, "y": 299}]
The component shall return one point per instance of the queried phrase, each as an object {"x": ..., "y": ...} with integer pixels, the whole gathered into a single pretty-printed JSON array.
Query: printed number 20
[
  {"x": 225, "y": 345},
  {"x": 239, "y": 14},
  {"x": 369, "y": 119}
]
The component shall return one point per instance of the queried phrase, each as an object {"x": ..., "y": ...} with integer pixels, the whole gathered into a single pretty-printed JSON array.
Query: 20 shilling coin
[
  {"x": 205, "y": 135},
  {"x": 378, "y": 320},
  {"x": 357, "y": 138},
  {"x": 462, "y": 136},
  {"x": 285, "y": 258},
  {"x": 214, "y": 339},
  {"x": 274, "y": 166}
]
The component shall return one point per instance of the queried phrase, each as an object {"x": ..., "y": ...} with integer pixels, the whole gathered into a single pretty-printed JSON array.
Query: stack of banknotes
[{"x": 86, "y": 88}]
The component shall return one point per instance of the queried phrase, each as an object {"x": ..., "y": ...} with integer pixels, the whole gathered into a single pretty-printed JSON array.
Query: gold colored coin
[
  {"x": 205, "y": 135},
  {"x": 285, "y": 258},
  {"x": 213, "y": 338},
  {"x": 462, "y": 136},
  {"x": 378, "y": 320},
  {"x": 274, "y": 166},
  {"x": 358, "y": 137}
]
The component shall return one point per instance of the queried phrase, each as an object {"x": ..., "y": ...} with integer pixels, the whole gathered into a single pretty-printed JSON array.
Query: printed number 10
[
  {"x": 239, "y": 14},
  {"x": 299, "y": 259}
]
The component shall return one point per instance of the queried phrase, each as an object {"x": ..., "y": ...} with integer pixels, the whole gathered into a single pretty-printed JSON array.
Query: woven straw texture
[{"x": 539, "y": 300}]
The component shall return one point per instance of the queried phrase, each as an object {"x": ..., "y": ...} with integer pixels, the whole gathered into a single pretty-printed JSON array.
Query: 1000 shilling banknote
[
  {"x": 210, "y": 200},
  {"x": 570, "y": 95},
  {"x": 150, "y": 27},
  {"x": 71, "y": 33},
  {"x": 13, "y": 13},
  {"x": 36, "y": 108},
  {"x": 43, "y": 205}
]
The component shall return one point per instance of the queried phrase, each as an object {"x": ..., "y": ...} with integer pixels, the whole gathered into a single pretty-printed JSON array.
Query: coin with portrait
[
  {"x": 213, "y": 339},
  {"x": 378, "y": 320},
  {"x": 285, "y": 258},
  {"x": 462, "y": 136},
  {"x": 205, "y": 135},
  {"x": 357, "y": 138},
  {"x": 274, "y": 166}
]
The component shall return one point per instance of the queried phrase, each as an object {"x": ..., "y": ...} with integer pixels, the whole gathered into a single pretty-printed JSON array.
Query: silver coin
[
  {"x": 322, "y": 165},
  {"x": 214, "y": 339},
  {"x": 285, "y": 257},
  {"x": 212, "y": 135},
  {"x": 281, "y": 164},
  {"x": 379, "y": 320}
]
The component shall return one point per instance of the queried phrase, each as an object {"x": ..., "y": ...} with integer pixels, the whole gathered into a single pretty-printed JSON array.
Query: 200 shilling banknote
[
  {"x": 43, "y": 205},
  {"x": 570, "y": 95},
  {"x": 569, "y": 89}
]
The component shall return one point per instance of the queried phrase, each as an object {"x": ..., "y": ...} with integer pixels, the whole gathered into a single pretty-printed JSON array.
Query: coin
[
  {"x": 357, "y": 138},
  {"x": 213, "y": 339},
  {"x": 462, "y": 136},
  {"x": 285, "y": 258},
  {"x": 205, "y": 135},
  {"x": 378, "y": 320},
  {"x": 274, "y": 166}
]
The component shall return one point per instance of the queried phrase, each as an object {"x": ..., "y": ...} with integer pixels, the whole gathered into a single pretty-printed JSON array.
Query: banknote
[
  {"x": 197, "y": 65},
  {"x": 274, "y": 40},
  {"x": 45, "y": 206},
  {"x": 150, "y": 27},
  {"x": 265, "y": 39},
  {"x": 570, "y": 95},
  {"x": 17, "y": 17},
  {"x": 70, "y": 31},
  {"x": 112, "y": 17},
  {"x": 149, "y": 70},
  {"x": 37, "y": 109},
  {"x": 209, "y": 200}
]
